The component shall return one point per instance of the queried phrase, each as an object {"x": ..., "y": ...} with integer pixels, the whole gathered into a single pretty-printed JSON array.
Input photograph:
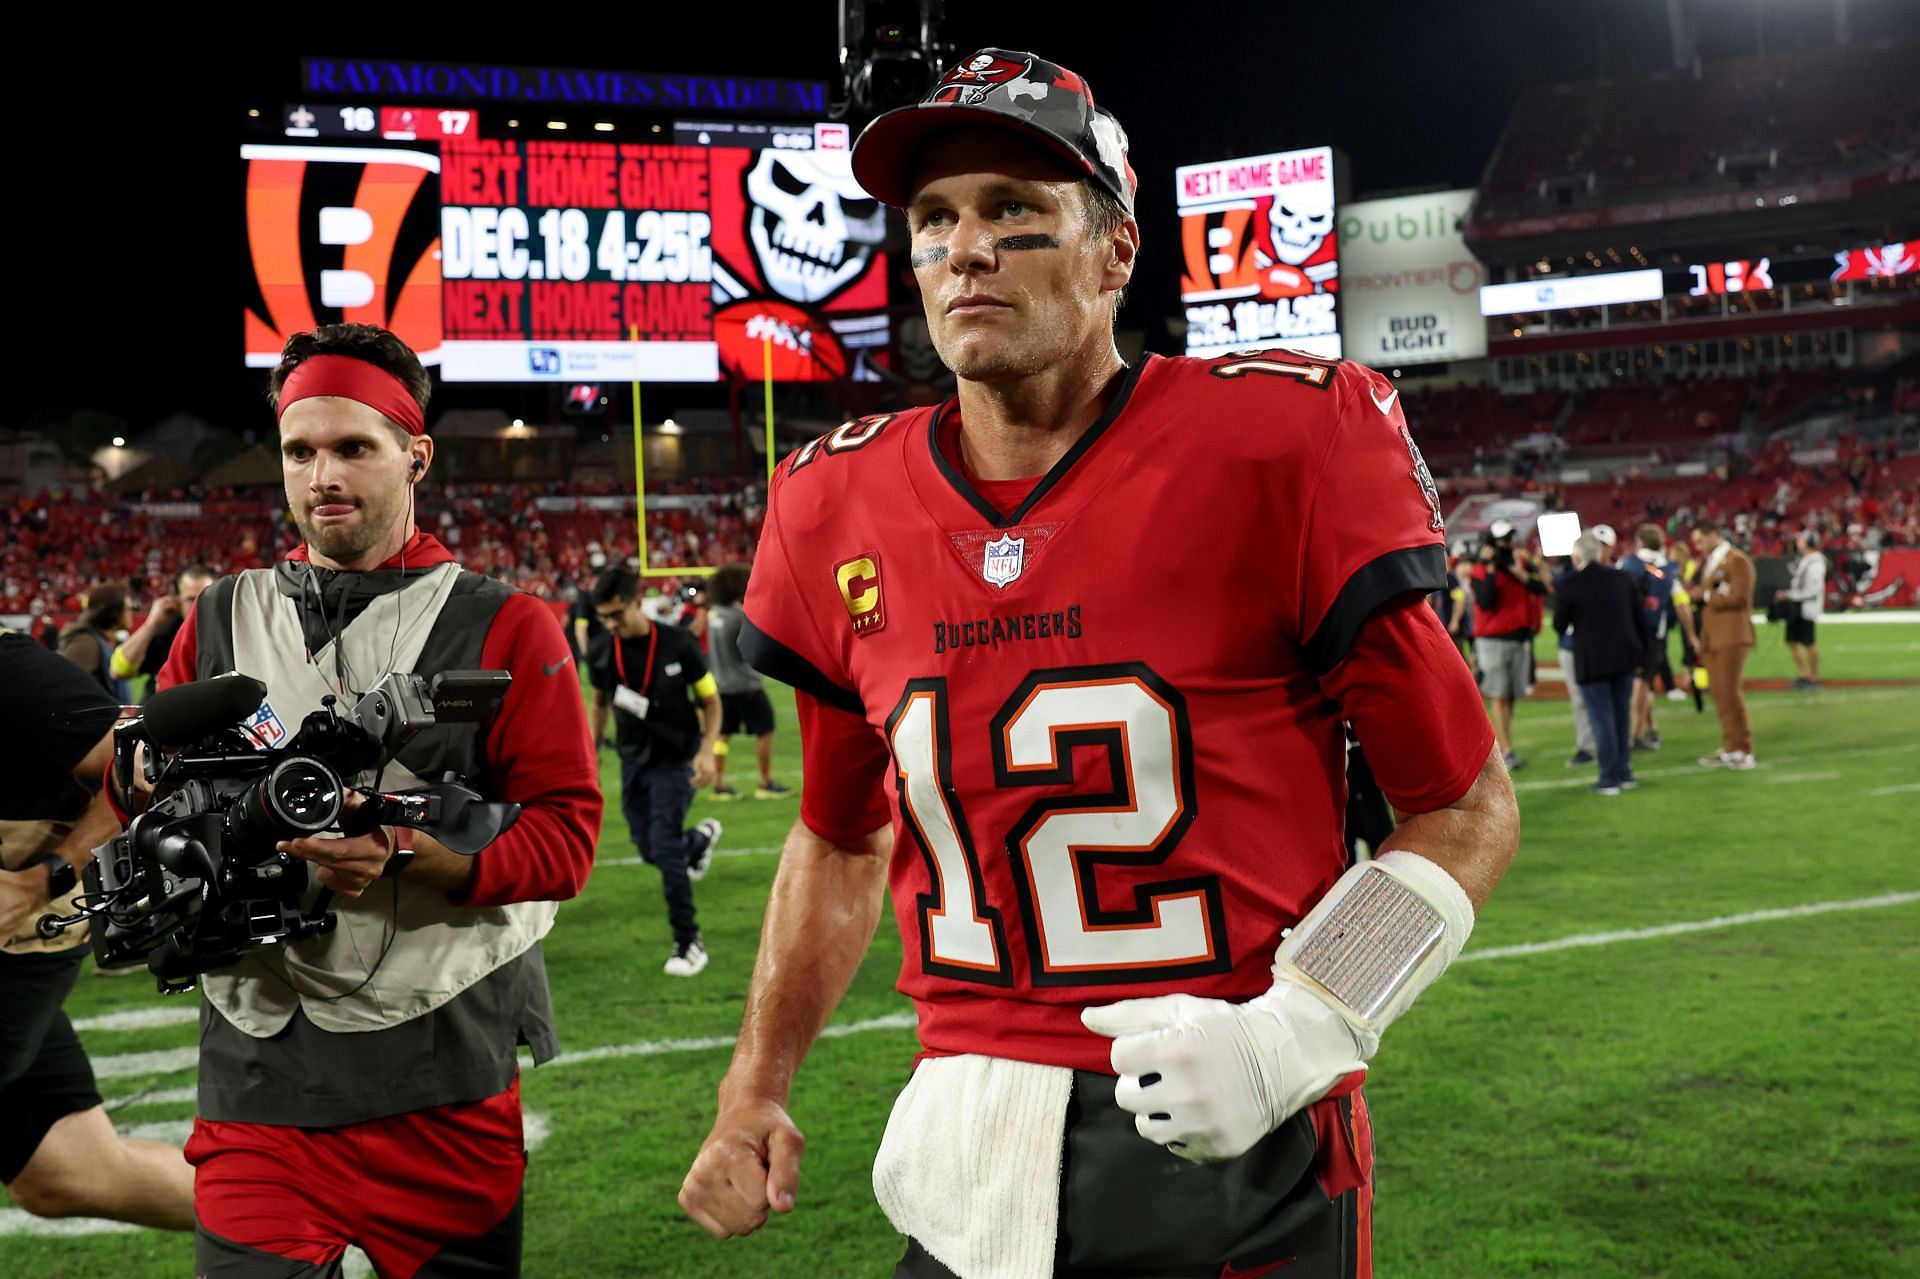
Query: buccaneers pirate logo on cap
[{"x": 969, "y": 83}]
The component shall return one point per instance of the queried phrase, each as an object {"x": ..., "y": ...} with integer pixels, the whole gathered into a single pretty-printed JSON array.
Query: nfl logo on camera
[
  {"x": 1004, "y": 560},
  {"x": 265, "y": 728}
]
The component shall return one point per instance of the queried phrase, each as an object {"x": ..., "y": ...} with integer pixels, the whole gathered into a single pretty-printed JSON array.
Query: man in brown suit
[{"x": 1724, "y": 604}]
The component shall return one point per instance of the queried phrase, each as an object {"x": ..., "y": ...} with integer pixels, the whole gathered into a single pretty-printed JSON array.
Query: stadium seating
[
  {"x": 1806, "y": 113},
  {"x": 53, "y": 550}
]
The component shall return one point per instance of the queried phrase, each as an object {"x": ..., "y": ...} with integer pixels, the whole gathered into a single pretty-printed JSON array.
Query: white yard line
[
  {"x": 654, "y": 1047},
  {"x": 158, "y": 1097},
  {"x": 1790, "y": 778},
  {"x": 1692, "y": 926},
  {"x": 1583, "y": 775},
  {"x": 764, "y": 850},
  {"x": 15, "y": 1222},
  {"x": 165, "y": 1062},
  {"x": 173, "y": 1014},
  {"x": 1908, "y": 789}
]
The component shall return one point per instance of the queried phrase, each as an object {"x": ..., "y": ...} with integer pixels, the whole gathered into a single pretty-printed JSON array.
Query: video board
[
  {"x": 536, "y": 258},
  {"x": 1260, "y": 253}
]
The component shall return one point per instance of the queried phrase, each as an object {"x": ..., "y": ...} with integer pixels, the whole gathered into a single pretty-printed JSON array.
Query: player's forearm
[
  {"x": 709, "y": 723},
  {"x": 597, "y": 720},
  {"x": 821, "y": 915},
  {"x": 1473, "y": 839}
]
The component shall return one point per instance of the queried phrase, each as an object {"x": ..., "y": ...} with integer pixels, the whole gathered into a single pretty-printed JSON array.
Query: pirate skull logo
[
  {"x": 812, "y": 228},
  {"x": 968, "y": 84},
  {"x": 1301, "y": 217}
]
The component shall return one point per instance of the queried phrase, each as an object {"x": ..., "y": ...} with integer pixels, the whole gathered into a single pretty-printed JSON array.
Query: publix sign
[{"x": 1410, "y": 290}]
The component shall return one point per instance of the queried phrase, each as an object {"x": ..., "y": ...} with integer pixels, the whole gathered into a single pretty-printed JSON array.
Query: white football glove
[{"x": 1207, "y": 1078}]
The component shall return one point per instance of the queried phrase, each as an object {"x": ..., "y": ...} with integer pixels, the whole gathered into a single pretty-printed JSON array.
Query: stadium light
[{"x": 119, "y": 441}]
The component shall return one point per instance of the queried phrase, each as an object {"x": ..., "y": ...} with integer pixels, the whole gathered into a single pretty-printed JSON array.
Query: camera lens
[{"x": 298, "y": 797}]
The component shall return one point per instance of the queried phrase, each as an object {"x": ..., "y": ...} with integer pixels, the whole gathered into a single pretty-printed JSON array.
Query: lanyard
[{"x": 620, "y": 660}]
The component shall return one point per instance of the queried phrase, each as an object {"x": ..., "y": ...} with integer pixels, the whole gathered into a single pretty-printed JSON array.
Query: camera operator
[
  {"x": 361, "y": 1086},
  {"x": 1509, "y": 600},
  {"x": 59, "y": 1154}
]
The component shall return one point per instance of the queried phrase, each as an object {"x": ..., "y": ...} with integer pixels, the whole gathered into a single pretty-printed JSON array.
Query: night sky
[{"x": 135, "y": 270}]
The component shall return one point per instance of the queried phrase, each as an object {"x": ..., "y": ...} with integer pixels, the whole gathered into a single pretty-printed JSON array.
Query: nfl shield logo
[
  {"x": 264, "y": 728},
  {"x": 1004, "y": 560}
]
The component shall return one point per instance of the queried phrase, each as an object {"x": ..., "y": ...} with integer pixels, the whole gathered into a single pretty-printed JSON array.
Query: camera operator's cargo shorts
[
  {"x": 1505, "y": 667},
  {"x": 428, "y": 1194}
]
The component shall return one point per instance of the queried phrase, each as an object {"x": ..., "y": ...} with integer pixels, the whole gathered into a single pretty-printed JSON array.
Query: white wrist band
[{"x": 1383, "y": 933}]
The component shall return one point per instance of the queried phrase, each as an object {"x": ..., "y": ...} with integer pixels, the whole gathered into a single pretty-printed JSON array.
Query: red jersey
[{"x": 1094, "y": 799}]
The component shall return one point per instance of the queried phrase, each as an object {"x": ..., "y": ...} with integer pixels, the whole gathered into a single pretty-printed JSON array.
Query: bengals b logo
[{"x": 350, "y": 238}]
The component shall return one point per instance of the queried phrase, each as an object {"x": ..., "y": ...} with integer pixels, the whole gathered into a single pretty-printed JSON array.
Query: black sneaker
[
  {"x": 1513, "y": 761},
  {"x": 1580, "y": 759}
]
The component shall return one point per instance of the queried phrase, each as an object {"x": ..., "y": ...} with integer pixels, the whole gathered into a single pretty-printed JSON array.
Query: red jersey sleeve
[
  {"x": 181, "y": 658},
  {"x": 538, "y": 757},
  {"x": 782, "y": 637},
  {"x": 1414, "y": 706},
  {"x": 1373, "y": 528},
  {"x": 846, "y": 765}
]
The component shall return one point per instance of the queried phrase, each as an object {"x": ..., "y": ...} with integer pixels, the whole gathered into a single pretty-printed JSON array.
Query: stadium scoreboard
[{"x": 692, "y": 255}]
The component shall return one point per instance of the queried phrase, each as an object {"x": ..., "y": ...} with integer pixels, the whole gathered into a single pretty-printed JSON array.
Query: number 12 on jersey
[{"x": 1064, "y": 843}]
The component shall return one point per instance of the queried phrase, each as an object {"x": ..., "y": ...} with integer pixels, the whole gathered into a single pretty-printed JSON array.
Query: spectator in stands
[
  {"x": 1600, "y": 608},
  {"x": 1807, "y": 591},
  {"x": 1507, "y": 590},
  {"x": 89, "y": 642},
  {"x": 1724, "y": 594},
  {"x": 744, "y": 706},
  {"x": 145, "y": 651}
]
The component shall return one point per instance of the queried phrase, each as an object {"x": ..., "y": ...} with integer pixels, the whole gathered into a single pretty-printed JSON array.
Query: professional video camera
[{"x": 196, "y": 881}]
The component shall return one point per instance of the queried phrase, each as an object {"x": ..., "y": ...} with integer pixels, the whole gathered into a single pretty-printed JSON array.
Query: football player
[{"x": 1148, "y": 982}]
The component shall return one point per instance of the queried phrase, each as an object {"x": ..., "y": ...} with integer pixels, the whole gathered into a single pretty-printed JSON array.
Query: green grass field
[{"x": 1736, "y": 1100}]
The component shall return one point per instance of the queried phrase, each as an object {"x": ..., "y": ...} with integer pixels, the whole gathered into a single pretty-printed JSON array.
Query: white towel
[{"x": 970, "y": 1164}]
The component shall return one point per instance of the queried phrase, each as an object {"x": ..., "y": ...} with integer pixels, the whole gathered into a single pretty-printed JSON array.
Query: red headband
[{"x": 357, "y": 380}]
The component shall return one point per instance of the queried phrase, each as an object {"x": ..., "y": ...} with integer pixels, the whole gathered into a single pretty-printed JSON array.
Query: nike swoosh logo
[
  {"x": 1385, "y": 406},
  {"x": 1231, "y": 1271},
  {"x": 555, "y": 668}
]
